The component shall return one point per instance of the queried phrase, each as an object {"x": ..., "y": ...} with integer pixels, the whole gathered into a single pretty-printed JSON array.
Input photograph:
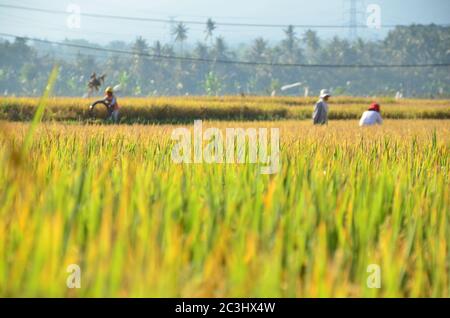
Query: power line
[
  {"x": 237, "y": 62},
  {"x": 231, "y": 24},
  {"x": 33, "y": 23}
]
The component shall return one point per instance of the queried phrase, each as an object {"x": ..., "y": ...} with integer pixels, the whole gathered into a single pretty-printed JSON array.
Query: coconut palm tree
[
  {"x": 259, "y": 50},
  {"x": 157, "y": 49},
  {"x": 210, "y": 27},
  {"x": 312, "y": 44},
  {"x": 141, "y": 65},
  {"x": 220, "y": 49},
  {"x": 180, "y": 32},
  {"x": 291, "y": 39}
]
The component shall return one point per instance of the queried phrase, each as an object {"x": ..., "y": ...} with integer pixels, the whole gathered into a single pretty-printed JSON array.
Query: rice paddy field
[
  {"x": 248, "y": 108},
  {"x": 110, "y": 199}
]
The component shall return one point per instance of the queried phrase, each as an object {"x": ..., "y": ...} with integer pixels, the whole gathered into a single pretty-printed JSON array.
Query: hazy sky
[{"x": 329, "y": 12}]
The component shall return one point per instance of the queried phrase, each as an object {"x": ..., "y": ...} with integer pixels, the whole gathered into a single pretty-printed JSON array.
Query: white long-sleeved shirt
[
  {"x": 370, "y": 117},
  {"x": 320, "y": 114}
]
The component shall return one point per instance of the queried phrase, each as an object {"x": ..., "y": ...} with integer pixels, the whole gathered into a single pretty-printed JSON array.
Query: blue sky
[{"x": 334, "y": 12}]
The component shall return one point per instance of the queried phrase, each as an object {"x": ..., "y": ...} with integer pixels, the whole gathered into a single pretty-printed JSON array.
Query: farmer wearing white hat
[{"x": 320, "y": 114}]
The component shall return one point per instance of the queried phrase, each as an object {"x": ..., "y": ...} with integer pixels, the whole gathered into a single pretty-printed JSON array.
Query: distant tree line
[{"x": 25, "y": 65}]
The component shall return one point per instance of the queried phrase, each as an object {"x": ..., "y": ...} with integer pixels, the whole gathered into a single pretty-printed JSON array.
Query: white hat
[{"x": 324, "y": 93}]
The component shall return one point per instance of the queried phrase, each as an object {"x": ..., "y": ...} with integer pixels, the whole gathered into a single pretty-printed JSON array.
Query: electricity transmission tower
[{"x": 354, "y": 12}]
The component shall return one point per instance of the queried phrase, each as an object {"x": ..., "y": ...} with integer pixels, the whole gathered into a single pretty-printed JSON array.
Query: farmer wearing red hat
[{"x": 371, "y": 116}]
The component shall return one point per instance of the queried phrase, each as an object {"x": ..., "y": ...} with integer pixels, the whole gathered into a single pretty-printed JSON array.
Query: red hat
[{"x": 375, "y": 107}]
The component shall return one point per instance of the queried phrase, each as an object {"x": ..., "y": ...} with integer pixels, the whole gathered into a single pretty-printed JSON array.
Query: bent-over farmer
[{"x": 371, "y": 116}]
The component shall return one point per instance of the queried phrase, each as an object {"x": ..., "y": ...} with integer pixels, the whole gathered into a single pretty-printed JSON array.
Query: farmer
[
  {"x": 320, "y": 114},
  {"x": 110, "y": 101},
  {"x": 371, "y": 116}
]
